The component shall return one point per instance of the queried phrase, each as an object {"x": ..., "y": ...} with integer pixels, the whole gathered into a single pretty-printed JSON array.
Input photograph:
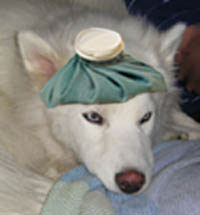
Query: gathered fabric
[{"x": 88, "y": 82}]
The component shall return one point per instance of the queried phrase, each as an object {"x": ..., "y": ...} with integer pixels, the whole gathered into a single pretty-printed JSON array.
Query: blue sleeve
[{"x": 165, "y": 13}]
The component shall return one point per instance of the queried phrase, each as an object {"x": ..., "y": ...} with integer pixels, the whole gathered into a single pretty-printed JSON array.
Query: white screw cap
[{"x": 98, "y": 44}]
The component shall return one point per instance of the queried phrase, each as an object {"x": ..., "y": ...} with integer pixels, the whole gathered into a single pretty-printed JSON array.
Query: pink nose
[{"x": 130, "y": 181}]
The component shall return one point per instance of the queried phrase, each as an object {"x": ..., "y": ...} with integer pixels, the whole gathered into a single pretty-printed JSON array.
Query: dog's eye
[
  {"x": 93, "y": 117},
  {"x": 145, "y": 118}
]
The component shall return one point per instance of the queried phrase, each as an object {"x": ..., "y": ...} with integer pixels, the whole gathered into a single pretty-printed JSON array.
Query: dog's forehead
[{"x": 138, "y": 104}]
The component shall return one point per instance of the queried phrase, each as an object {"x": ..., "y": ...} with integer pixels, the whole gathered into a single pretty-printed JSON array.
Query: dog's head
[{"x": 114, "y": 140}]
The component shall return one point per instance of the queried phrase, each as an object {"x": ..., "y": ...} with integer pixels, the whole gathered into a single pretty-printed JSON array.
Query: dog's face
[{"x": 110, "y": 139}]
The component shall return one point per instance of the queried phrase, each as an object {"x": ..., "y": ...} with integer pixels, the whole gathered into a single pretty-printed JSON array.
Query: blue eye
[
  {"x": 93, "y": 117},
  {"x": 145, "y": 118}
]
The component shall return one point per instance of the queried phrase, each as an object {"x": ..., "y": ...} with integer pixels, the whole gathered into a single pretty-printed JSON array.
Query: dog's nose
[{"x": 130, "y": 181}]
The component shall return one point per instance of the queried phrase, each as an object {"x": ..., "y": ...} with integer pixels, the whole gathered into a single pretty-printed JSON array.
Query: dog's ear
[
  {"x": 39, "y": 58},
  {"x": 170, "y": 41}
]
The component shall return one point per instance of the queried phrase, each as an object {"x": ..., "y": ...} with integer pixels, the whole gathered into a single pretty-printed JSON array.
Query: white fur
[{"x": 38, "y": 144}]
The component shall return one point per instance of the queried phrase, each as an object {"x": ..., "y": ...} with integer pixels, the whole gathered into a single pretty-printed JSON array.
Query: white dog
[{"x": 39, "y": 144}]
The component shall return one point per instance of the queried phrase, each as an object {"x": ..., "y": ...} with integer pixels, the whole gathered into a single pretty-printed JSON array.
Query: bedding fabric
[{"x": 175, "y": 188}]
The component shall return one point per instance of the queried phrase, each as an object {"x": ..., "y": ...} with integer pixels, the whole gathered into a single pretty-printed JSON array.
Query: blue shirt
[{"x": 163, "y": 14}]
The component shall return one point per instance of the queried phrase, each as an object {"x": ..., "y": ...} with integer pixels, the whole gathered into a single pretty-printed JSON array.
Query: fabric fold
[{"x": 87, "y": 82}]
